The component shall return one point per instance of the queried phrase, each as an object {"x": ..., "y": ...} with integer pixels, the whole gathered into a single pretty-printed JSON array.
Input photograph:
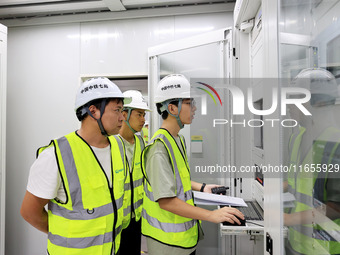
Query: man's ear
[
  {"x": 173, "y": 109},
  {"x": 94, "y": 111}
]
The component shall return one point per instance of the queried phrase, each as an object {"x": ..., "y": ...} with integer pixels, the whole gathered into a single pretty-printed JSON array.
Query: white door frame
[
  {"x": 3, "y": 92},
  {"x": 224, "y": 38}
]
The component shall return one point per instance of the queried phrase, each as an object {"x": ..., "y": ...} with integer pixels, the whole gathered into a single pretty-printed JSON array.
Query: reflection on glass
[
  {"x": 191, "y": 63},
  {"x": 313, "y": 153},
  {"x": 294, "y": 59},
  {"x": 333, "y": 56}
]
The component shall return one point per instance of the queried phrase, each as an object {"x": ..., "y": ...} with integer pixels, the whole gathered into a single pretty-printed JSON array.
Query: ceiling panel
[
  {"x": 51, "y": 8},
  {"x": 14, "y": 9},
  {"x": 22, "y": 2}
]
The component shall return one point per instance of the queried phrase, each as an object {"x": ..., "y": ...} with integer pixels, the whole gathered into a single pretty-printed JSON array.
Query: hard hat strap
[
  {"x": 179, "y": 122},
  {"x": 99, "y": 121},
  {"x": 102, "y": 130},
  {"x": 166, "y": 108},
  {"x": 128, "y": 119}
]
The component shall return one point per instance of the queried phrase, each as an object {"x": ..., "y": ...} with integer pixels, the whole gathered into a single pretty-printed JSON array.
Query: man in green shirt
[
  {"x": 170, "y": 220},
  {"x": 134, "y": 114}
]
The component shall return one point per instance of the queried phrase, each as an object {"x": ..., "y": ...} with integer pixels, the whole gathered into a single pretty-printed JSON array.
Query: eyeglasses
[{"x": 192, "y": 103}]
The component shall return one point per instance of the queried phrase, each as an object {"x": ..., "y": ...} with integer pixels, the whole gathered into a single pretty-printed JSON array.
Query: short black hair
[
  {"x": 165, "y": 114},
  {"x": 97, "y": 103}
]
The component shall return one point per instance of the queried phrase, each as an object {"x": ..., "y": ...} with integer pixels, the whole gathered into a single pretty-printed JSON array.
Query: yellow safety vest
[
  {"x": 133, "y": 200},
  {"x": 162, "y": 225},
  {"x": 90, "y": 220},
  {"x": 311, "y": 238}
]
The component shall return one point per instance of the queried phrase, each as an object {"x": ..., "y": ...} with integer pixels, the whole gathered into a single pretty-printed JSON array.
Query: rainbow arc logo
[
  {"x": 208, "y": 89},
  {"x": 209, "y": 93}
]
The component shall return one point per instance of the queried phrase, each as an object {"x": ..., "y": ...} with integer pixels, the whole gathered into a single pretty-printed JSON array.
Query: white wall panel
[
  {"x": 120, "y": 47},
  {"x": 186, "y": 26},
  {"x": 43, "y": 71},
  {"x": 45, "y": 64}
]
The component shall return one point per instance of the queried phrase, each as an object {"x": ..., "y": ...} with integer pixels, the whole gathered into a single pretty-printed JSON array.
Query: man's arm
[
  {"x": 313, "y": 215},
  {"x": 33, "y": 211},
  {"x": 179, "y": 207},
  {"x": 197, "y": 186}
]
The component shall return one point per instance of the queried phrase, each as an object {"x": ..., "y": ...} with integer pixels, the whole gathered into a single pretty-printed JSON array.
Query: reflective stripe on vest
[
  {"x": 80, "y": 243},
  {"x": 163, "y": 225},
  {"x": 317, "y": 233},
  {"x": 136, "y": 184},
  {"x": 81, "y": 223},
  {"x": 180, "y": 192},
  {"x": 138, "y": 178},
  {"x": 168, "y": 227},
  {"x": 187, "y": 195},
  {"x": 295, "y": 140},
  {"x": 179, "y": 185}
]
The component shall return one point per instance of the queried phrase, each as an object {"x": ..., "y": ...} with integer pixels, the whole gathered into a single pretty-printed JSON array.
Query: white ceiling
[{"x": 18, "y": 9}]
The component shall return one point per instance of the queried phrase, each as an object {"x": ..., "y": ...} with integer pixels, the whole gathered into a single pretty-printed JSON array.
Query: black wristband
[{"x": 203, "y": 186}]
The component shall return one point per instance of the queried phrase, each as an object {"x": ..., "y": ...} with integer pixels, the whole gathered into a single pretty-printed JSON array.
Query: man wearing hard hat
[
  {"x": 129, "y": 137},
  {"x": 170, "y": 220},
  {"x": 81, "y": 178}
]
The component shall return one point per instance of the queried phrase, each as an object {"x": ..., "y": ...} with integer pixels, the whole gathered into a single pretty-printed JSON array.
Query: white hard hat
[
  {"x": 321, "y": 84},
  {"x": 137, "y": 100},
  {"x": 172, "y": 86},
  {"x": 97, "y": 88}
]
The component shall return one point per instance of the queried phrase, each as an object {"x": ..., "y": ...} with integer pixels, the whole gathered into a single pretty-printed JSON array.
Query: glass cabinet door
[{"x": 310, "y": 59}]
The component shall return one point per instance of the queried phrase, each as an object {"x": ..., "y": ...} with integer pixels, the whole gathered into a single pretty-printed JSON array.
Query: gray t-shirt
[
  {"x": 161, "y": 178},
  {"x": 129, "y": 151},
  {"x": 159, "y": 170}
]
